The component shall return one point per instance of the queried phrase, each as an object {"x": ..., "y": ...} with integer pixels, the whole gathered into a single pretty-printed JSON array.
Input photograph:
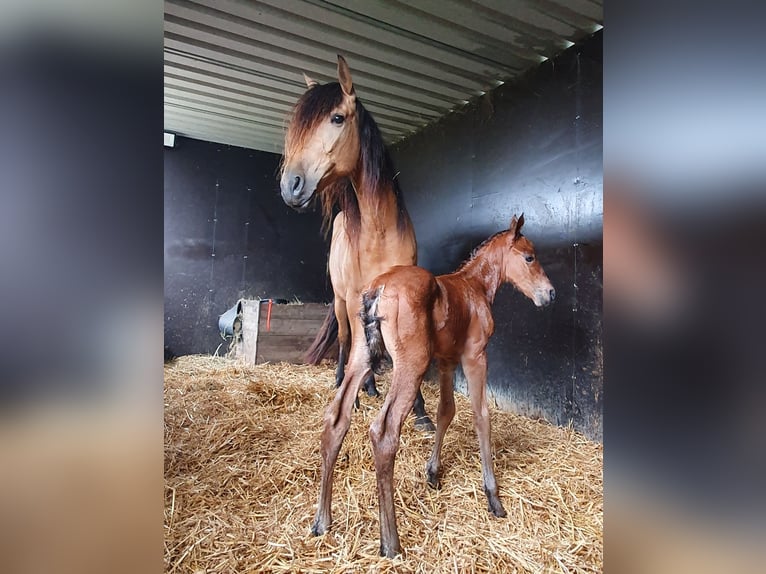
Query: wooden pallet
[{"x": 284, "y": 336}]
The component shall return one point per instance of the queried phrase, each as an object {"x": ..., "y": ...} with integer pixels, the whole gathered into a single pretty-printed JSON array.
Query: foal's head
[
  {"x": 322, "y": 142},
  {"x": 521, "y": 267}
]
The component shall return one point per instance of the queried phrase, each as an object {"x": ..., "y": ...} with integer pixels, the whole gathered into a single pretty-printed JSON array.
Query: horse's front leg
[
  {"x": 422, "y": 420},
  {"x": 475, "y": 369},
  {"x": 344, "y": 339},
  {"x": 337, "y": 419}
]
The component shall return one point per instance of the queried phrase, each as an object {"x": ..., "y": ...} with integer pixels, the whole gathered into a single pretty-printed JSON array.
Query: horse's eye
[
  {"x": 529, "y": 258},
  {"x": 337, "y": 119}
]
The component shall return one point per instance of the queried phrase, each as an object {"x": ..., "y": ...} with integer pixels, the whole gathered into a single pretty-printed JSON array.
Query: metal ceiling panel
[{"x": 234, "y": 68}]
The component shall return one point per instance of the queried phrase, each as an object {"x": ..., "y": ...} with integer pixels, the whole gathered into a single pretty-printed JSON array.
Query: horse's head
[
  {"x": 521, "y": 267},
  {"x": 322, "y": 140}
]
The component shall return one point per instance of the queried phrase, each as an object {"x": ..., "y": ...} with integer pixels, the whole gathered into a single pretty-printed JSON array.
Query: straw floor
[{"x": 242, "y": 476}]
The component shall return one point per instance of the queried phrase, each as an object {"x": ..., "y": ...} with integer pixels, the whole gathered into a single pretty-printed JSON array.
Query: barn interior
[
  {"x": 488, "y": 111},
  {"x": 488, "y": 108}
]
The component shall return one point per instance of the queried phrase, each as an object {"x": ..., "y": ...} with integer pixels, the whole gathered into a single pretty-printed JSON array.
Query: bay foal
[{"x": 416, "y": 317}]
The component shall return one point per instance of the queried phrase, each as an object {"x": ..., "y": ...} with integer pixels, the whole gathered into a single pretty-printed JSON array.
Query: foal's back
[{"x": 442, "y": 315}]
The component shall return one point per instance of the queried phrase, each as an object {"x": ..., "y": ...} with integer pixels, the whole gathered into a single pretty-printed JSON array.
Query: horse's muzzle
[
  {"x": 295, "y": 192},
  {"x": 545, "y": 298}
]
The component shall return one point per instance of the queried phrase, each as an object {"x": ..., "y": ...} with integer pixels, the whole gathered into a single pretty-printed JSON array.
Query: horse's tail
[
  {"x": 325, "y": 340},
  {"x": 371, "y": 321}
]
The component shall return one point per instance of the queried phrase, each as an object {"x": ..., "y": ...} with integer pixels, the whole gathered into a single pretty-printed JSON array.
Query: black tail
[
  {"x": 379, "y": 358},
  {"x": 324, "y": 343}
]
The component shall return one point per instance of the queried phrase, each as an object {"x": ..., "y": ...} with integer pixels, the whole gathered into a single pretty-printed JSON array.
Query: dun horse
[
  {"x": 334, "y": 150},
  {"x": 417, "y": 317}
]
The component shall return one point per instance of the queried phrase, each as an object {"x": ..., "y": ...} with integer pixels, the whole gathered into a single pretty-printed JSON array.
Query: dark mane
[
  {"x": 316, "y": 105},
  {"x": 376, "y": 162}
]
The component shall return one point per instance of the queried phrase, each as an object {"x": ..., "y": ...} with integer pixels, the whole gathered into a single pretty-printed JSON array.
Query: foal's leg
[
  {"x": 337, "y": 419},
  {"x": 444, "y": 417},
  {"x": 344, "y": 339},
  {"x": 475, "y": 369},
  {"x": 384, "y": 433}
]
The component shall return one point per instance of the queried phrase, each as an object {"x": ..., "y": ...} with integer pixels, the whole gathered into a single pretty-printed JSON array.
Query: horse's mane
[
  {"x": 315, "y": 105},
  {"x": 479, "y": 248}
]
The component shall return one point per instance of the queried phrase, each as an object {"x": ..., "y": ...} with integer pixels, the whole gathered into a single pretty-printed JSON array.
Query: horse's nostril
[
  {"x": 552, "y": 293},
  {"x": 297, "y": 185}
]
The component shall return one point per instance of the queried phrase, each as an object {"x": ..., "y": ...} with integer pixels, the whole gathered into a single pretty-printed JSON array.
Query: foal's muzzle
[{"x": 545, "y": 297}]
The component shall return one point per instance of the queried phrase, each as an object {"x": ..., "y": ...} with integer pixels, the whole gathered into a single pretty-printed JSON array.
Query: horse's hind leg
[
  {"x": 475, "y": 369},
  {"x": 384, "y": 434},
  {"x": 337, "y": 419},
  {"x": 444, "y": 417}
]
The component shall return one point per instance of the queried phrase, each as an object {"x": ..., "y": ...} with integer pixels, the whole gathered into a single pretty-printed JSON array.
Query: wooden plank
[
  {"x": 289, "y": 348},
  {"x": 246, "y": 350},
  {"x": 283, "y": 326},
  {"x": 305, "y": 311}
]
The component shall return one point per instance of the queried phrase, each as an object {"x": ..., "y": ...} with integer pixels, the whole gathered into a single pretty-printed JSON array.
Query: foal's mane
[
  {"x": 481, "y": 247},
  {"x": 314, "y": 106}
]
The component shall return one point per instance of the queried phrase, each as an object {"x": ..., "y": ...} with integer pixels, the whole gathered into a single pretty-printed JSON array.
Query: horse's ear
[
  {"x": 310, "y": 82},
  {"x": 516, "y": 224},
  {"x": 344, "y": 77}
]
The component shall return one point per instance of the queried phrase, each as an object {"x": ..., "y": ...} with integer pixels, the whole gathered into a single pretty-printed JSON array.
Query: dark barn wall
[
  {"x": 228, "y": 235},
  {"x": 533, "y": 147}
]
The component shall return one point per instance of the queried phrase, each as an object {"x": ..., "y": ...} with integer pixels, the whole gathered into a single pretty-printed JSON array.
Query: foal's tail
[
  {"x": 324, "y": 342},
  {"x": 371, "y": 321}
]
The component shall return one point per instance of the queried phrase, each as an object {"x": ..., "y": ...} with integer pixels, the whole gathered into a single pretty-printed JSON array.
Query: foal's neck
[{"x": 483, "y": 270}]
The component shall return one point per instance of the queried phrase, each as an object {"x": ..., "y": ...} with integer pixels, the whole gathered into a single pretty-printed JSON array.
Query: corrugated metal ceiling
[{"x": 234, "y": 68}]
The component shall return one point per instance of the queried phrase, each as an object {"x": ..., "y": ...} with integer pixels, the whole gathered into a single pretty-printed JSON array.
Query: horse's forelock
[{"x": 313, "y": 106}]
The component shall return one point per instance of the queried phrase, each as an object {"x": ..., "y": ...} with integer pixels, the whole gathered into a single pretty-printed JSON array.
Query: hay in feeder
[{"x": 242, "y": 478}]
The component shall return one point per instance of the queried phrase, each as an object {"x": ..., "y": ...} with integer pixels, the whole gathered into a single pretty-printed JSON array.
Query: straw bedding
[{"x": 242, "y": 477}]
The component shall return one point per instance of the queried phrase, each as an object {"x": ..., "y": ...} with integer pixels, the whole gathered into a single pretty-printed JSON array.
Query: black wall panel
[
  {"x": 228, "y": 234},
  {"x": 532, "y": 147}
]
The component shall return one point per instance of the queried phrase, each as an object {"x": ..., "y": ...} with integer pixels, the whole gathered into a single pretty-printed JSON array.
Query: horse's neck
[
  {"x": 483, "y": 272},
  {"x": 379, "y": 231}
]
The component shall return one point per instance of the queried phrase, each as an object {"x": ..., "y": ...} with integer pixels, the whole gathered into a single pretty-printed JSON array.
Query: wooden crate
[{"x": 286, "y": 337}]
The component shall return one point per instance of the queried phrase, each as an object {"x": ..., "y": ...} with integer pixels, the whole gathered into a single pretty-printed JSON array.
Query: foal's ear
[
  {"x": 344, "y": 77},
  {"x": 516, "y": 225},
  {"x": 310, "y": 82}
]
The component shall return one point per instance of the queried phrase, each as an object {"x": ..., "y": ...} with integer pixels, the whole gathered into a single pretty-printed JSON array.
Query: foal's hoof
[
  {"x": 499, "y": 512},
  {"x": 390, "y": 552},
  {"x": 497, "y": 509},
  {"x": 433, "y": 480},
  {"x": 317, "y": 529},
  {"x": 424, "y": 424}
]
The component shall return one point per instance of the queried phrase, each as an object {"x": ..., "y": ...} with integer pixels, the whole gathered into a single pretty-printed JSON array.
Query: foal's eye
[
  {"x": 529, "y": 258},
  {"x": 337, "y": 119}
]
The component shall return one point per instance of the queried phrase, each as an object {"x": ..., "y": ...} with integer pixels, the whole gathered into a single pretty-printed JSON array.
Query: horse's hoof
[
  {"x": 424, "y": 424},
  {"x": 497, "y": 510},
  {"x": 372, "y": 392},
  {"x": 432, "y": 479},
  {"x": 317, "y": 529},
  {"x": 390, "y": 552}
]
